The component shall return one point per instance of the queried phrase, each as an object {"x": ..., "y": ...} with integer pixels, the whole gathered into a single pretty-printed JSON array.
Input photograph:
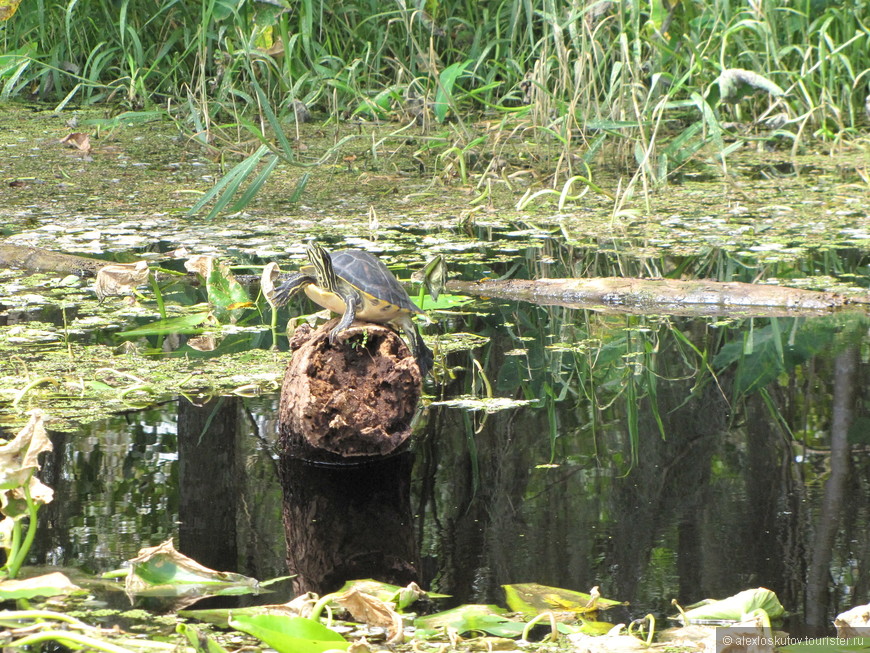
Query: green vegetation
[
  {"x": 530, "y": 106},
  {"x": 649, "y": 83}
]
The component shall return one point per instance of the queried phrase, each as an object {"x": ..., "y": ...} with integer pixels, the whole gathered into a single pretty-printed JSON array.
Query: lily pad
[
  {"x": 225, "y": 294},
  {"x": 163, "y": 571},
  {"x": 301, "y": 606},
  {"x": 45, "y": 585},
  {"x": 290, "y": 634},
  {"x": 188, "y": 324},
  {"x": 473, "y": 618},
  {"x": 532, "y": 599},
  {"x": 735, "y": 607}
]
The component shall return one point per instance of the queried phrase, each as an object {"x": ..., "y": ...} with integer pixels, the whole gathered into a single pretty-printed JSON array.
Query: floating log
[
  {"x": 39, "y": 259},
  {"x": 45, "y": 260},
  {"x": 698, "y": 296},
  {"x": 356, "y": 397}
]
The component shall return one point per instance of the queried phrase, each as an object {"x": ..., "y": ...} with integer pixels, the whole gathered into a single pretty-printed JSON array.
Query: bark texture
[
  {"x": 356, "y": 397},
  {"x": 692, "y": 296}
]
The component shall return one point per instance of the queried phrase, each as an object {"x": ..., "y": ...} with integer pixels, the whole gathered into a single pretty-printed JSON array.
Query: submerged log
[
  {"x": 39, "y": 259},
  {"x": 699, "y": 296},
  {"x": 45, "y": 260},
  {"x": 356, "y": 397}
]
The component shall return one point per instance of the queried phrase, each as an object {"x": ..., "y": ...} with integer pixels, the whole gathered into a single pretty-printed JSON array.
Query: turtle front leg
[
  {"x": 285, "y": 292},
  {"x": 351, "y": 301}
]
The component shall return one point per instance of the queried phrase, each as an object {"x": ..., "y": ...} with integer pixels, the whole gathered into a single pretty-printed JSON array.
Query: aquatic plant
[
  {"x": 640, "y": 81},
  {"x": 21, "y": 493}
]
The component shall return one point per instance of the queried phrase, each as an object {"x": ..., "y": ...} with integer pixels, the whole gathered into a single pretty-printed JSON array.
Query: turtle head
[{"x": 322, "y": 262}]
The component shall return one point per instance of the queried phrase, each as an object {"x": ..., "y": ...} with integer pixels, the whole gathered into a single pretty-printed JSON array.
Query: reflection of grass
[{"x": 626, "y": 374}]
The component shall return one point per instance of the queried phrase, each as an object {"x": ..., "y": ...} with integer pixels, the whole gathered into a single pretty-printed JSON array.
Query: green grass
[{"x": 636, "y": 81}]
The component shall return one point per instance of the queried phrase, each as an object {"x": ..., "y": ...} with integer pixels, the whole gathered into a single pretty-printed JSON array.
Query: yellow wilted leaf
[
  {"x": 8, "y": 8},
  {"x": 265, "y": 39},
  {"x": 532, "y": 599}
]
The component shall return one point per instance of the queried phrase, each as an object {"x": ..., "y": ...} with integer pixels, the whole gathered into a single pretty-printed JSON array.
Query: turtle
[{"x": 357, "y": 285}]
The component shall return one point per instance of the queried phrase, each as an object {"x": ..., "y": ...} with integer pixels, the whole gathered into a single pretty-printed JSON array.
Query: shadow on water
[{"x": 660, "y": 457}]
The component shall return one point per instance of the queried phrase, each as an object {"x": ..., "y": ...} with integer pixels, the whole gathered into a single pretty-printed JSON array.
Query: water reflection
[
  {"x": 199, "y": 473},
  {"x": 665, "y": 457},
  {"x": 345, "y": 522}
]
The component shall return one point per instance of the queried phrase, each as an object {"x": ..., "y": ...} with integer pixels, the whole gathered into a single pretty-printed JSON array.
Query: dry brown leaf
[
  {"x": 7, "y": 527},
  {"x": 19, "y": 459},
  {"x": 302, "y": 605},
  {"x": 267, "y": 282},
  {"x": 13, "y": 502},
  {"x": 78, "y": 140},
  {"x": 275, "y": 50},
  {"x": 594, "y": 595},
  {"x": 203, "y": 343},
  {"x": 359, "y": 646},
  {"x": 168, "y": 548},
  {"x": 19, "y": 456},
  {"x": 367, "y": 609},
  {"x": 38, "y": 491},
  {"x": 179, "y": 252},
  {"x": 200, "y": 264},
  {"x": 120, "y": 278},
  {"x": 492, "y": 644}
]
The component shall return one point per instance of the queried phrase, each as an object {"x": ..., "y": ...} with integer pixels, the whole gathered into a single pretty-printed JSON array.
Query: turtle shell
[{"x": 383, "y": 297}]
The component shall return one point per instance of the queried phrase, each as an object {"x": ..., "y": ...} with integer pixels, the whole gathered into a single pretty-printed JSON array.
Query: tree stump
[
  {"x": 356, "y": 397},
  {"x": 345, "y": 409}
]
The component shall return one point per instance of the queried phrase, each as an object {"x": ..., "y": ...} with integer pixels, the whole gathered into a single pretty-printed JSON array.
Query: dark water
[{"x": 661, "y": 457}]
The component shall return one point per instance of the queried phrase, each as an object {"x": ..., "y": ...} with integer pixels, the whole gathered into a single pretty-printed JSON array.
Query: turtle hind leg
[{"x": 425, "y": 357}]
